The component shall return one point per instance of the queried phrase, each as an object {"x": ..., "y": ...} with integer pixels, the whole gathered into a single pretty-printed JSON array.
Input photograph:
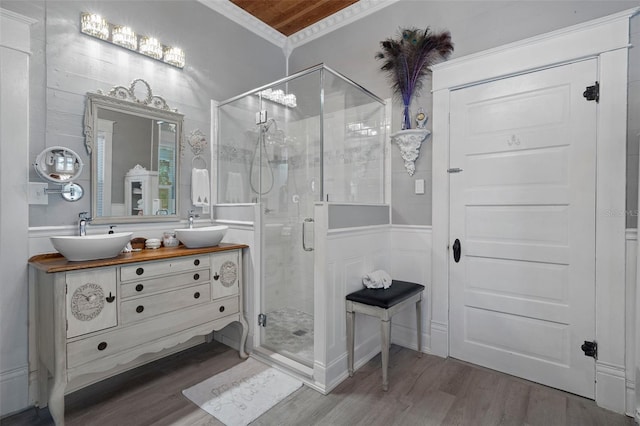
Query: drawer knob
[
  {"x": 102, "y": 346},
  {"x": 196, "y": 262},
  {"x": 139, "y": 287},
  {"x": 216, "y": 276},
  {"x": 139, "y": 271},
  {"x": 221, "y": 308},
  {"x": 196, "y": 277},
  {"x": 139, "y": 309},
  {"x": 196, "y": 295}
]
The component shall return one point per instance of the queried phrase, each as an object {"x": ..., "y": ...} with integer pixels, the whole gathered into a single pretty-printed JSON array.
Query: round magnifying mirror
[{"x": 58, "y": 165}]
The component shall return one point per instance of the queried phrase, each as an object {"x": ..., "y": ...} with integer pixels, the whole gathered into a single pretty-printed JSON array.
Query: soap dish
[{"x": 152, "y": 243}]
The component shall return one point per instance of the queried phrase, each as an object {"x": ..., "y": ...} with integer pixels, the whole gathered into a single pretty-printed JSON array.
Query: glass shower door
[{"x": 293, "y": 153}]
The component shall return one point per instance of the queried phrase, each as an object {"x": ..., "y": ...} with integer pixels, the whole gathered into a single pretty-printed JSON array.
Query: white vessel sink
[
  {"x": 91, "y": 247},
  {"x": 202, "y": 237}
]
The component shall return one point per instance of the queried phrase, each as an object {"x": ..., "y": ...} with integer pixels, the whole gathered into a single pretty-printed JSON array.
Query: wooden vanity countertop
[{"x": 55, "y": 262}]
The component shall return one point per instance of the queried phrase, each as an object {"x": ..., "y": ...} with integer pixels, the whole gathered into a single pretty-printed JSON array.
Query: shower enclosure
[{"x": 314, "y": 137}]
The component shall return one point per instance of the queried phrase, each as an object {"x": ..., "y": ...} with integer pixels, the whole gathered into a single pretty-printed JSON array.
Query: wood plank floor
[{"x": 422, "y": 391}]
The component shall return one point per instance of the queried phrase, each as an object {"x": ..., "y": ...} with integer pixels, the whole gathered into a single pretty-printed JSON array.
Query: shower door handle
[{"x": 304, "y": 228}]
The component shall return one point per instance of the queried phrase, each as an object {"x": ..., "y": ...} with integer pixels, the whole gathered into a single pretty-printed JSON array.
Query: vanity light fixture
[
  {"x": 125, "y": 37},
  {"x": 174, "y": 56},
  {"x": 151, "y": 47},
  {"x": 96, "y": 26},
  {"x": 278, "y": 96}
]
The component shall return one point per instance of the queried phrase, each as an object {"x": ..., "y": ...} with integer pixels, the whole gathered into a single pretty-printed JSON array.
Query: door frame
[{"x": 607, "y": 40}]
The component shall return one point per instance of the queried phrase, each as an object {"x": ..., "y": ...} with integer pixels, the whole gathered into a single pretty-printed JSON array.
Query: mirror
[
  {"x": 58, "y": 165},
  {"x": 134, "y": 144},
  {"x": 61, "y": 166}
]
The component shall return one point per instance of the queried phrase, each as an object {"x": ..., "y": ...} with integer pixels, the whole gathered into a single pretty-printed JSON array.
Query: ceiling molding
[
  {"x": 338, "y": 20},
  {"x": 344, "y": 17},
  {"x": 239, "y": 16}
]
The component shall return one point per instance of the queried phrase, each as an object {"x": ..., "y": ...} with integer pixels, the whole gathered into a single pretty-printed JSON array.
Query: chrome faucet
[
  {"x": 83, "y": 220},
  {"x": 192, "y": 215}
]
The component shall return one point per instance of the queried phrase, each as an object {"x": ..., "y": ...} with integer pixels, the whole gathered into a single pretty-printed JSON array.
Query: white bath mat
[{"x": 243, "y": 393}]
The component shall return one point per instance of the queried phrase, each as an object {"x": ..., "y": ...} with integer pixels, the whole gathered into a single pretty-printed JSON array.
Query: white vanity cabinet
[{"x": 92, "y": 320}]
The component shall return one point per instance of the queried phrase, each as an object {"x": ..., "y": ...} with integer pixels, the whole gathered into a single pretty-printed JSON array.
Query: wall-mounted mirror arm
[
  {"x": 70, "y": 191},
  {"x": 60, "y": 165}
]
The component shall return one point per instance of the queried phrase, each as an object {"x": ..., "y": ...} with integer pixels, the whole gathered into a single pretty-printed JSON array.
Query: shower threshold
[{"x": 290, "y": 365}]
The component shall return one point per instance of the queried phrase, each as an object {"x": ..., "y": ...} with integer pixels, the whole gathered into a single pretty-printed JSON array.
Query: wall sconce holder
[{"x": 409, "y": 142}]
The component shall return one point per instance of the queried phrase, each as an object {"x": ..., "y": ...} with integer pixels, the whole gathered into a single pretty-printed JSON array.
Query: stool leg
[
  {"x": 419, "y": 326},
  {"x": 350, "y": 340},
  {"x": 385, "y": 328}
]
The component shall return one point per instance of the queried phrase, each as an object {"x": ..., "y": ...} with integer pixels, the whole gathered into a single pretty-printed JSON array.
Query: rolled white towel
[{"x": 377, "y": 279}]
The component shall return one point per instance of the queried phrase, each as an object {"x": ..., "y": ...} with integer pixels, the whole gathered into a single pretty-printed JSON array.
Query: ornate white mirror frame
[{"x": 138, "y": 101}]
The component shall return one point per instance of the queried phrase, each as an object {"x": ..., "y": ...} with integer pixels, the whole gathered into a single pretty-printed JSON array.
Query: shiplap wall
[{"x": 221, "y": 62}]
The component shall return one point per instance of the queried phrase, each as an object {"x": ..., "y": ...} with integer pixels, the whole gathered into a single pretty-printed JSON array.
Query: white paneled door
[{"x": 523, "y": 211}]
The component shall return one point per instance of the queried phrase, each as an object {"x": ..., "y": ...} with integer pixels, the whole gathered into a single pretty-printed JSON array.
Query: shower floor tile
[{"x": 290, "y": 330}]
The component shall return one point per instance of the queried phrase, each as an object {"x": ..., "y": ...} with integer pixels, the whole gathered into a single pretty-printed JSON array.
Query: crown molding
[
  {"x": 248, "y": 21},
  {"x": 339, "y": 19}
]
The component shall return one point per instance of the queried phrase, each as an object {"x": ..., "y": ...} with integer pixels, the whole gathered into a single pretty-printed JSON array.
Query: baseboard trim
[
  {"x": 14, "y": 388},
  {"x": 611, "y": 389},
  {"x": 406, "y": 337},
  {"x": 338, "y": 370},
  {"x": 440, "y": 339},
  {"x": 631, "y": 398}
]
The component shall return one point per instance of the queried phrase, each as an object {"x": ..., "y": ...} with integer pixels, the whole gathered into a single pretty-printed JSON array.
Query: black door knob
[
  {"x": 221, "y": 309},
  {"x": 196, "y": 295},
  {"x": 457, "y": 249},
  {"x": 139, "y": 309},
  {"x": 196, "y": 277},
  {"x": 102, "y": 346},
  {"x": 139, "y": 287},
  {"x": 196, "y": 262},
  {"x": 140, "y": 271}
]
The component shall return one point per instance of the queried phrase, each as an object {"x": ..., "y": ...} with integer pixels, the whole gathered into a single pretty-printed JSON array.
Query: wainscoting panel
[
  {"x": 342, "y": 258},
  {"x": 411, "y": 261}
]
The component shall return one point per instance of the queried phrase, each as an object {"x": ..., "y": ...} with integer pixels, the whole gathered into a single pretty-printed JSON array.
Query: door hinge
[
  {"x": 590, "y": 349},
  {"x": 67, "y": 324},
  {"x": 592, "y": 93},
  {"x": 262, "y": 320},
  {"x": 454, "y": 170}
]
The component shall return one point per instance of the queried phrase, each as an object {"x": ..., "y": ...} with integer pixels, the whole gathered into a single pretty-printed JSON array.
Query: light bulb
[{"x": 94, "y": 25}]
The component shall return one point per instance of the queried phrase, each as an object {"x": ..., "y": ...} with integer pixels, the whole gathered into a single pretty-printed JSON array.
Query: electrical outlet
[{"x": 37, "y": 193}]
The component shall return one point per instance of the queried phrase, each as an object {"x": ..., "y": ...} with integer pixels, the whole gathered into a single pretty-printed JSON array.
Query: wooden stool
[{"x": 383, "y": 303}]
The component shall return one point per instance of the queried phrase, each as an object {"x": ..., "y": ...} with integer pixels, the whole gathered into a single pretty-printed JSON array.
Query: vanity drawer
[
  {"x": 165, "y": 267},
  {"x": 112, "y": 343},
  {"x": 143, "y": 287},
  {"x": 137, "y": 309}
]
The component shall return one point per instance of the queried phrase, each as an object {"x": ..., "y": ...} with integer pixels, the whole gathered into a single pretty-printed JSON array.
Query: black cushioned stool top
[{"x": 386, "y": 298}]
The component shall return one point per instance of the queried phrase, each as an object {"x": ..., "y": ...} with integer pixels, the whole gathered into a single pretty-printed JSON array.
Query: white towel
[
  {"x": 377, "y": 279},
  {"x": 235, "y": 188},
  {"x": 200, "y": 189}
]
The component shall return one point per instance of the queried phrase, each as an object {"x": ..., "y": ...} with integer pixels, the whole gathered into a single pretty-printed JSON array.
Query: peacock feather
[{"x": 406, "y": 60}]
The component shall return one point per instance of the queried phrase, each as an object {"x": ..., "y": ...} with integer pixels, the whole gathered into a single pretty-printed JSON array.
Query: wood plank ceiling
[{"x": 291, "y": 16}]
